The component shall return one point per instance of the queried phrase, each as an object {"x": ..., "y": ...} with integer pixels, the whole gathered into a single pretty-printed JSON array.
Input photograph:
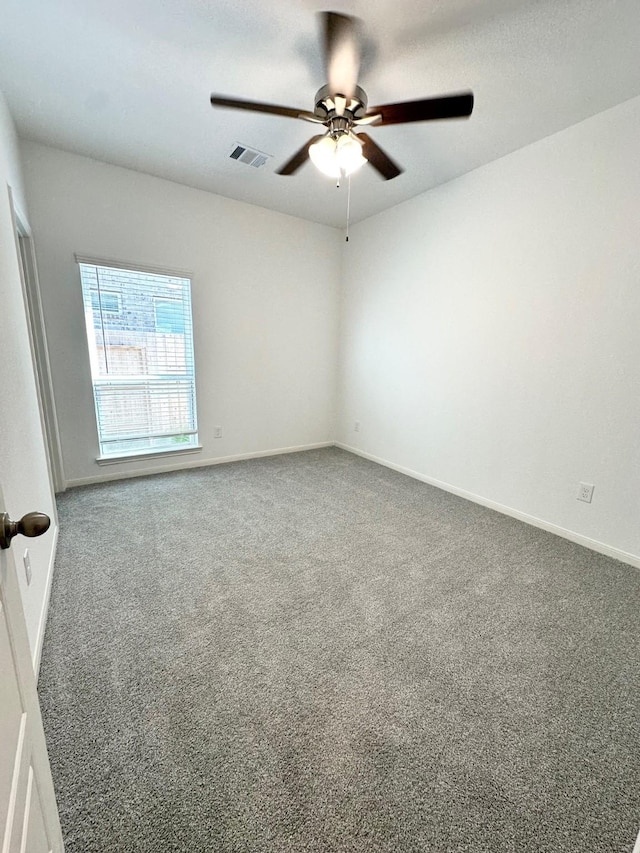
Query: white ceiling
[{"x": 128, "y": 82}]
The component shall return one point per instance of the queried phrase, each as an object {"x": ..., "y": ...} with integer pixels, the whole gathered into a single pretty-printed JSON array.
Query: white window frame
[{"x": 150, "y": 452}]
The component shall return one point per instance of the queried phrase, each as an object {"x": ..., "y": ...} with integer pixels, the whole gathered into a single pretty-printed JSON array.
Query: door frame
[{"x": 38, "y": 343}]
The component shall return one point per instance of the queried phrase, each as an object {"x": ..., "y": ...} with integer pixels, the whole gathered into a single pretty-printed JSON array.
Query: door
[{"x": 28, "y": 813}]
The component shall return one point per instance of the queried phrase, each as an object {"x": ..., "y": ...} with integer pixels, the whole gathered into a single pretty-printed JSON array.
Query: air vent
[{"x": 249, "y": 156}]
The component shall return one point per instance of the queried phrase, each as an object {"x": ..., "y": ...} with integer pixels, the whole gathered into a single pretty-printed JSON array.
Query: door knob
[{"x": 31, "y": 524}]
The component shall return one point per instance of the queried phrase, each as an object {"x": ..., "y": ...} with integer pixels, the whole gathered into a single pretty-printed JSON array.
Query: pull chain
[{"x": 348, "y": 206}]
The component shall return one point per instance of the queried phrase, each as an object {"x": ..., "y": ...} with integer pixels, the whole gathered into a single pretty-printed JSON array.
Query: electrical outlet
[
  {"x": 217, "y": 432},
  {"x": 356, "y": 426},
  {"x": 585, "y": 492},
  {"x": 27, "y": 565}
]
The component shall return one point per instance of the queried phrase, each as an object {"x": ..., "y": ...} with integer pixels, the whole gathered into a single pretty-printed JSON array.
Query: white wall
[
  {"x": 24, "y": 475},
  {"x": 264, "y": 301},
  {"x": 491, "y": 331}
]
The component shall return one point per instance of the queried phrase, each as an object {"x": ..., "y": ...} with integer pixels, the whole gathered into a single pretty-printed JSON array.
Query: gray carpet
[{"x": 314, "y": 653}]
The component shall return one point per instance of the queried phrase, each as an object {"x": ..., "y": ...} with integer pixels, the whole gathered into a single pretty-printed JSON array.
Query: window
[
  {"x": 105, "y": 302},
  {"x": 140, "y": 334},
  {"x": 169, "y": 316}
]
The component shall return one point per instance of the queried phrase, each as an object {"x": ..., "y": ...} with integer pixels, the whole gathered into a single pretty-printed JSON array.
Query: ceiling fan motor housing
[{"x": 325, "y": 105}]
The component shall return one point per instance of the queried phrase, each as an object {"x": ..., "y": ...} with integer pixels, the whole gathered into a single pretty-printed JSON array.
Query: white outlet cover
[{"x": 585, "y": 492}]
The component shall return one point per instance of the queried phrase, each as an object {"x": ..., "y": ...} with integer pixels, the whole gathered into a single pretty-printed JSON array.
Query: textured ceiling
[{"x": 128, "y": 82}]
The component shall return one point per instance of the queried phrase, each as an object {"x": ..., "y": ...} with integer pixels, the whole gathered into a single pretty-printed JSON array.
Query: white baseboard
[
  {"x": 42, "y": 622},
  {"x": 572, "y": 536},
  {"x": 636, "y": 849},
  {"x": 196, "y": 463}
]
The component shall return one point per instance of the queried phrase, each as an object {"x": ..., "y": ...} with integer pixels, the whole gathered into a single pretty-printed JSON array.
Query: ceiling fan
[{"x": 342, "y": 107}]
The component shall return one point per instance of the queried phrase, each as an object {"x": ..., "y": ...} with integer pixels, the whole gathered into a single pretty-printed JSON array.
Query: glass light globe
[
  {"x": 349, "y": 154},
  {"x": 323, "y": 156},
  {"x": 337, "y": 157}
]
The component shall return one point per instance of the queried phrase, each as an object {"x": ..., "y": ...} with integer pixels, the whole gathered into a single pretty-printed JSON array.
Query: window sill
[{"x": 144, "y": 454}]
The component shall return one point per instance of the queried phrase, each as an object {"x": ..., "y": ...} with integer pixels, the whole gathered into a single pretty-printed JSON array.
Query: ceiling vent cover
[{"x": 249, "y": 156}]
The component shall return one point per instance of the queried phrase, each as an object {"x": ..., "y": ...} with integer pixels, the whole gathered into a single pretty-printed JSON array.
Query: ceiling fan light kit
[
  {"x": 337, "y": 157},
  {"x": 341, "y": 107}
]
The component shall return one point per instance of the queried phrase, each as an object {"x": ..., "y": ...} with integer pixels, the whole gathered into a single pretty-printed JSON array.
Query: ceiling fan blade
[
  {"x": 428, "y": 109},
  {"x": 258, "y": 107},
  {"x": 341, "y": 52},
  {"x": 374, "y": 118},
  {"x": 378, "y": 158},
  {"x": 299, "y": 158}
]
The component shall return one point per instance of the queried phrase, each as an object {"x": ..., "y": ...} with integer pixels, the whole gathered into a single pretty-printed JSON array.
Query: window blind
[{"x": 140, "y": 335}]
